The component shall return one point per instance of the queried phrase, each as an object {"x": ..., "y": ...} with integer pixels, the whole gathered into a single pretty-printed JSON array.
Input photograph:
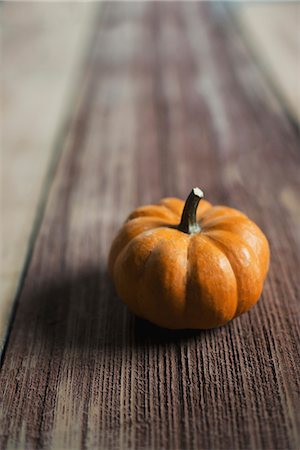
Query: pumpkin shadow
[
  {"x": 83, "y": 312},
  {"x": 78, "y": 311},
  {"x": 146, "y": 333}
]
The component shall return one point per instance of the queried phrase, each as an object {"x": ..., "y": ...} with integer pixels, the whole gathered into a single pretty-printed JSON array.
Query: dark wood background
[{"x": 170, "y": 98}]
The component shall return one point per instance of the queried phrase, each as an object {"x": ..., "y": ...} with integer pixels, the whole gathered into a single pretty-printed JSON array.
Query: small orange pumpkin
[{"x": 199, "y": 271}]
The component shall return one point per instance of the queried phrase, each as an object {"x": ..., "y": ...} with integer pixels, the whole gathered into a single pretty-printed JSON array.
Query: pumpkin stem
[{"x": 188, "y": 223}]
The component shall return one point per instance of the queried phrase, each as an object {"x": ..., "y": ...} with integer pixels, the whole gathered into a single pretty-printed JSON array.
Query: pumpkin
[{"x": 189, "y": 265}]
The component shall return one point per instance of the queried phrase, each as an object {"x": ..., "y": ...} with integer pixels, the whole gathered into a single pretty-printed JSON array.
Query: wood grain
[
  {"x": 170, "y": 99},
  {"x": 43, "y": 47}
]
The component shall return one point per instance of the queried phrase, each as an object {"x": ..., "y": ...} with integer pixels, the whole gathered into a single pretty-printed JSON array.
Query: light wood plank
[
  {"x": 273, "y": 32},
  {"x": 43, "y": 47}
]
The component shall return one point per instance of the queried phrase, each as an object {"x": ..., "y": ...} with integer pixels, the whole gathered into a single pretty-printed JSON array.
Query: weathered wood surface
[
  {"x": 42, "y": 51},
  {"x": 170, "y": 99}
]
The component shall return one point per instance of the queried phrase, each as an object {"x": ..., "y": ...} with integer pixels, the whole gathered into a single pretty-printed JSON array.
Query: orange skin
[{"x": 179, "y": 280}]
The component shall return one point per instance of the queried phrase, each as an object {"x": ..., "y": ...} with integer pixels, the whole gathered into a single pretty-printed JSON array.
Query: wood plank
[
  {"x": 43, "y": 47},
  {"x": 171, "y": 99},
  {"x": 272, "y": 31}
]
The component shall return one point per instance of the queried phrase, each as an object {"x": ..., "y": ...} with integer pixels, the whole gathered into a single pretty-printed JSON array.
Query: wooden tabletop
[{"x": 168, "y": 96}]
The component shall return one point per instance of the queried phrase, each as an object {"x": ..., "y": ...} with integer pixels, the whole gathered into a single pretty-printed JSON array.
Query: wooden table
[{"x": 169, "y": 97}]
